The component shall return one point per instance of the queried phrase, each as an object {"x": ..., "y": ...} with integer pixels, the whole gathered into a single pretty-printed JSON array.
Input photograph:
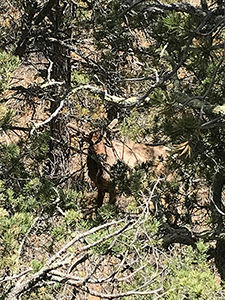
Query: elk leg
[
  {"x": 100, "y": 198},
  {"x": 112, "y": 196}
]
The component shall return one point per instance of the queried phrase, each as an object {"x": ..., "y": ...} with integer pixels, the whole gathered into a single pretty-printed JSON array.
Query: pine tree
[{"x": 159, "y": 69}]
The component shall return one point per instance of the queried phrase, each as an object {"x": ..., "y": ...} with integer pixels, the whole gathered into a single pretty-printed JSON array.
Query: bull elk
[{"x": 102, "y": 154}]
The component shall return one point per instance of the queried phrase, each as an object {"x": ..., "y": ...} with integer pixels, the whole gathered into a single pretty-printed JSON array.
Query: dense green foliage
[{"x": 7, "y": 65}]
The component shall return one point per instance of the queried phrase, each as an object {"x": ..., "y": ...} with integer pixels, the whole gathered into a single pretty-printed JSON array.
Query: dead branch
[
  {"x": 158, "y": 6},
  {"x": 56, "y": 112},
  {"x": 15, "y": 277},
  {"x": 51, "y": 264},
  {"x": 202, "y": 97},
  {"x": 126, "y": 294}
]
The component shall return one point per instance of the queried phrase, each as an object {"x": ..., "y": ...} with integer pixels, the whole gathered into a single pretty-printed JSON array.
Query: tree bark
[
  {"x": 217, "y": 218},
  {"x": 59, "y": 152}
]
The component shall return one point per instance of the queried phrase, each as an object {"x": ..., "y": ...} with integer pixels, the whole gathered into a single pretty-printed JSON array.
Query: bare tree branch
[
  {"x": 51, "y": 264},
  {"x": 158, "y": 6},
  {"x": 56, "y": 112},
  {"x": 15, "y": 277},
  {"x": 126, "y": 294},
  {"x": 202, "y": 97}
]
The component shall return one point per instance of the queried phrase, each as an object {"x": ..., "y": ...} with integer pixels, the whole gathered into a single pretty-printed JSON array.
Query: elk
[{"x": 102, "y": 154}]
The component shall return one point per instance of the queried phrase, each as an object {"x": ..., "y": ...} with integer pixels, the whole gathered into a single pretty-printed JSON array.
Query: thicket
[{"x": 159, "y": 69}]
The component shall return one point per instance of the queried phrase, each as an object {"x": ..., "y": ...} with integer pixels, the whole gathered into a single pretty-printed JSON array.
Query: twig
[
  {"x": 52, "y": 83},
  {"x": 126, "y": 294},
  {"x": 81, "y": 236},
  {"x": 132, "y": 274},
  {"x": 49, "y": 71},
  {"x": 61, "y": 276},
  {"x": 199, "y": 97},
  {"x": 178, "y": 7},
  {"x": 51, "y": 264},
  {"x": 123, "y": 229},
  {"x": 214, "y": 203},
  {"x": 50, "y": 118},
  {"x": 26, "y": 235},
  {"x": 212, "y": 123},
  {"x": 11, "y": 278}
]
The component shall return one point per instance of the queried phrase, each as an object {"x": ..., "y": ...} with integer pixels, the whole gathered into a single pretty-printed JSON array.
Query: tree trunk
[
  {"x": 217, "y": 218},
  {"x": 59, "y": 153}
]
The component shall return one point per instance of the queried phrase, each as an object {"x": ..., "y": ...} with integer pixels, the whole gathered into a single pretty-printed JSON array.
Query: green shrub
[
  {"x": 12, "y": 230},
  {"x": 8, "y": 63},
  {"x": 190, "y": 276}
]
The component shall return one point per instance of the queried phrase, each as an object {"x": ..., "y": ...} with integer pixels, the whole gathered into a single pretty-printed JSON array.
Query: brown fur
[{"x": 102, "y": 154}]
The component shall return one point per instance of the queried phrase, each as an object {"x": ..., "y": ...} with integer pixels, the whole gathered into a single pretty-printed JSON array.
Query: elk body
[{"x": 102, "y": 154}]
